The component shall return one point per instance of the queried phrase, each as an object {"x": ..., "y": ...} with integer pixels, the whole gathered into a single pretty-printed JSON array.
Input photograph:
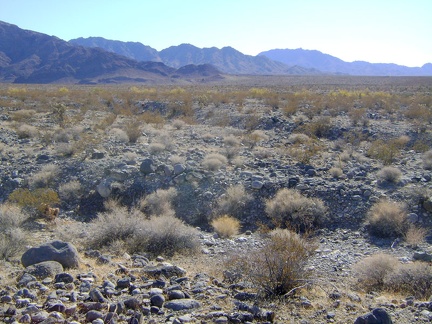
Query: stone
[
  {"x": 179, "y": 168},
  {"x": 377, "y": 316},
  {"x": 25, "y": 279},
  {"x": 427, "y": 204},
  {"x": 176, "y": 294},
  {"x": 256, "y": 184},
  {"x": 63, "y": 252},
  {"x": 182, "y": 304},
  {"x": 63, "y": 277},
  {"x": 422, "y": 256},
  {"x": 167, "y": 271},
  {"x": 45, "y": 269},
  {"x": 104, "y": 188},
  {"x": 97, "y": 155},
  {"x": 147, "y": 166},
  {"x": 93, "y": 315},
  {"x": 157, "y": 300}
]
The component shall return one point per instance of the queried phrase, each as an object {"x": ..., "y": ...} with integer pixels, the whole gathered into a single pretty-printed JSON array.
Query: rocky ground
[{"x": 262, "y": 154}]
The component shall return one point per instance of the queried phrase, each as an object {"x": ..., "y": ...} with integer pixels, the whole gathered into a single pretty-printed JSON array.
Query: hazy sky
[{"x": 378, "y": 31}]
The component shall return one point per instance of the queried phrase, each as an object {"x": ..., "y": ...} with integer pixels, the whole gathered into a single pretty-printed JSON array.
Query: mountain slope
[
  {"x": 31, "y": 57},
  {"x": 133, "y": 50},
  {"x": 330, "y": 64}
]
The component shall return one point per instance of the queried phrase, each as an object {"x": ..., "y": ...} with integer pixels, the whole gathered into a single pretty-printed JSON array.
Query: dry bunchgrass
[
  {"x": 70, "y": 190},
  {"x": 12, "y": 238},
  {"x": 336, "y": 172},
  {"x": 214, "y": 161},
  {"x": 156, "y": 148},
  {"x": 387, "y": 219},
  {"x": 233, "y": 201},
  {"x": 389, "y": 174},
  {"x": 159, "y": 202},
  {"x": 427, "y": 160},
  {"x": 290, "y": 208},
  {"x": 45, "y": 177},
  {"x": 27, "y": 131},
  {"x": 415, "y": 235},
  {"x": 119, "y": 135},
  {"x": 226, "y": 226}
]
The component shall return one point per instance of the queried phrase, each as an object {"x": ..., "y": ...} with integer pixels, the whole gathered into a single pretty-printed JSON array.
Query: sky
[{"x": 377, "y": 31}]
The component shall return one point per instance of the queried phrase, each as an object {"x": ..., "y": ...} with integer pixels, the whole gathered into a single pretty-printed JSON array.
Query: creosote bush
[
  {"x": 387, "y": 219},
  {"x": 33, "y": 201},
  {"x": 279, "y": 267},
  {"x": 290, "y": 208},
  {"x": 226, "y": 226},
  {"x": 159, "y": 202}
]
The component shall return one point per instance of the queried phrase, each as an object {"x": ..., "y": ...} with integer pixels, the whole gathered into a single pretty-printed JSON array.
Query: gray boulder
[
  {"x": 377, "y": 316},
  {"x": 45, "y": 269},
  {"x": 147, "y": 166},
  {"x": 182, "y": 304},
  {"x": 63, "y": 252}
]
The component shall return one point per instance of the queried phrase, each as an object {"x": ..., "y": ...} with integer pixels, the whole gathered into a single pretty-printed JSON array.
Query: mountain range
[{"x": 31, "y": 57}]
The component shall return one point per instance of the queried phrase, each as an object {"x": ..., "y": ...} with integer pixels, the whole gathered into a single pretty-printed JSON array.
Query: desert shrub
[
  {"x": 162, "y": 235},
  {"x": 159, "y": 202},
  {"x": 156, "y": 148},
  {"x": 384, "y": 151},
  {"x": 27, "y": 131},
  {"x": 280, "y": 265},
  {"x": 226, "y": 226},
  {"x": 70, "y": 190},
  {"x": 117, "y": 223},
  {"x": 427, "y": 160},
  {"x": 133, "y": 131},
  {"x": 415, "y": 235},
  {"x": 33, "y": 201},
  {"x": 231, "y": 140},
  {"x": 234, "y": 200},
  {"x": 387, "y": 219},
  {"x": 413, "y": 278},
  {"x": 336, "y": 172},
  {"x": 11, "y": 216},
  {"x": 214, "y": 161},
  {"x": 44, "y": 177},
  {"x": 372, "y": 271},
  {"x": 119, "y": 135},
  {"x": 23, "y": 115},
  {"x": 290, "y": 208},
  {"x": 65, "y": 149},
  {"x": 298, "y": 138},
  {"x": 238, "y": 161},
  {"x": 389, "y": 174},
  {"x": 106, "y": 122},
  {"x": 320, "y": 128},
  {"x": 262, "y": 153},
  {"x": 178, "y": 124},
  {"x": 12, "y": 241}
]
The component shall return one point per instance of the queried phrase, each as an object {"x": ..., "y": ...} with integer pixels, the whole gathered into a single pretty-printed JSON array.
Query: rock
[
  {"x": 64, "y": 253},
  {"x": 147, "y": 166},
  {"x": 92, "y": 315},
  {"x": 104, "y": 188},
  {"x": 176, "y": 294},
  {"x": 377, "y": 316},
  {"x": 45, "y": 269},
  {"x": 25, "y": 279},
  {"x": 167, "y": 271},
  {"x": 427, "y": 204},
  {"x": 182, "y": 304},
  {"x": 96, "y": 296},
  {"x": 179, "y": 168},
  {"x": 422, "y": 256},
  {"x": 157, "y": 300},
  {"x": 97, "y": 155},
  {"x": 63, "y": 277}
]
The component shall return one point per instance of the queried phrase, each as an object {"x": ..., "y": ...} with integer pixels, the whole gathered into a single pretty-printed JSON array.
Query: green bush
[{"x": 34, "y": 201}]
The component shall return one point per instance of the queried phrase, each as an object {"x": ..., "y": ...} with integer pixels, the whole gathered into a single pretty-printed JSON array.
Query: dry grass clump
[
  {"x": 133, "y": 131},
  {"x": 234, "y": 200},
  {"x": 384, "y": 272},
  {"x": 415, "y": 235},
  {"x": 214, "y": 161},
  {"x": 23, "y": 115},
  {"x": 159, "y": 202},
  {"x": 46, "y": 176},
  {"x": 178, "y": 124},
  {"x": 156, "y": 148},
  {"x": 231, "y": 140},
  {"x": 279, "y": 267},
  {"x": 161, "y": 235},
  {"x": 70, "y": 190},
  {"x": 336, "y": 172},
  {"x": 389, "y": 174},
  {"x": 12, "y": 238},
  {"x": 372, "y": 271},
  {"x": 290, "y": 208},
  {"x": 226, "y": 226},
  {"x": 427, "y": 160},
  {"x": 387, "y": 219},
  {"x": 119, "y": 135},
  {"x": 299, "y": 138},
  {"x": 27, "y": 131}
]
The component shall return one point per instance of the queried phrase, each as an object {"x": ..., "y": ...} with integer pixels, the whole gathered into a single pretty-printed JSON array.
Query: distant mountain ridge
[
  {"x": 329, "y": 64},
  {"x": 31, "y": 57},
  {"x": 228, "y": 60}
]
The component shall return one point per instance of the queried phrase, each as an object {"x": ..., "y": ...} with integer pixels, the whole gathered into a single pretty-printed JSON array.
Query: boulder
[
  {"x": 147, "y": 166},
  {"x": 182, "y": 304},
  {"x": 63, "y": 252},
  {"x": 377, "y": 316},
  {"x": 45, "y": 269}
]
